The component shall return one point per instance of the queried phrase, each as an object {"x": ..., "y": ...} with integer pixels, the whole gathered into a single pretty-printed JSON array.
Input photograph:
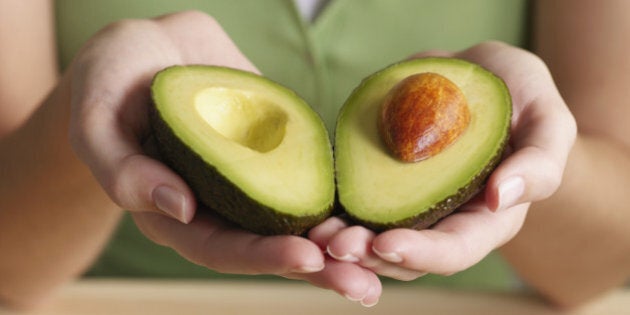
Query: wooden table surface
[{"x": 96, "y": 297}]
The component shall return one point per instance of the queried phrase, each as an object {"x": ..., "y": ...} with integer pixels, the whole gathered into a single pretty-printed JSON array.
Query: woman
[{"x": 60, "y": 200}]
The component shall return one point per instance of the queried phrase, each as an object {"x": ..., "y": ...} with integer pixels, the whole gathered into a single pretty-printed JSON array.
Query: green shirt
[{"x": 322, "y": 61}]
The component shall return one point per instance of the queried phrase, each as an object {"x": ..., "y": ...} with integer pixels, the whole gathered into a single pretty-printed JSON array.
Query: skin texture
[
  {"x": 489, "y": 221},
  {"x": 573, "y": 246},
  {"x": 108, "y": 162},
  {"x": 593, "y": 199},
  {"x": 65, "y": 207},
  {"x": 44, "y": 189},
  {"x": 422, "y": 115},
  {"x": 31, "y": 59}
]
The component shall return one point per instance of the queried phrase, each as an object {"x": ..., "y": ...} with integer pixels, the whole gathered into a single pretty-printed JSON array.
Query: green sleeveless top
[{"x": 323, "y": 61}]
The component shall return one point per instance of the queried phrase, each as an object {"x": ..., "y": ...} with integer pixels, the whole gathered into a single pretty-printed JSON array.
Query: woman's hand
[
  {"x": 542, "y": 134},
  {"x": 110, "y": 133},
  {"x": 110, "y": 97}
]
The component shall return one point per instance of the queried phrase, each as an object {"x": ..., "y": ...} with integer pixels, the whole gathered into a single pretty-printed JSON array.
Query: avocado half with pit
[
  {"x": 250, "y": 149},
  {"x": 417, "y": 140}
]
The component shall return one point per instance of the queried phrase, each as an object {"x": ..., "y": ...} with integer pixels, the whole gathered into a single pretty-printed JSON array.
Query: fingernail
[
  {"x": 510, "y": 191},
  {"x": 308, "y": 269},
  {"x": 353, "y": 299},
  {"x": 391, "y": 257},
  {"x": 170, "y": 202},
  {"x": 369, "y": 304},
  {"x": 369, "y": 296},
  {"x": 347, "y": 257}
]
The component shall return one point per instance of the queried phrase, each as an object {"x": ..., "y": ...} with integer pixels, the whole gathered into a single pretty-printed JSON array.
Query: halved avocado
[
  {"x": 382, "y": 192},
  {"x": 250, "y": 149}
]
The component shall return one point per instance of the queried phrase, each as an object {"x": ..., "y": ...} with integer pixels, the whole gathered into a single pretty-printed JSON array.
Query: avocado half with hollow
[
  {"x": 418, "y": 139},
  {"x": 250, "y": 149}
]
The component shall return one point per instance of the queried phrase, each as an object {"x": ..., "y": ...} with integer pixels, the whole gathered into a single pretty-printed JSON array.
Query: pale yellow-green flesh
[
  {"x": 260, "y": 136},
  {"x": 243, "y": 117},
  {"x": 375, "y": 186}
]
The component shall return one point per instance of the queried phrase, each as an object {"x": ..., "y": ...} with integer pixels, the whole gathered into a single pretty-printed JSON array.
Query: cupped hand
[
  {"x": 109, "y": 131},
  {"x": 542, "y": 134}
]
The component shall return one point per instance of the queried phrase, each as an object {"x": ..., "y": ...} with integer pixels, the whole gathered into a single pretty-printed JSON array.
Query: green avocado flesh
[
  {"x": 250, "y": 149},
  {"x": 381, "y": 192}
]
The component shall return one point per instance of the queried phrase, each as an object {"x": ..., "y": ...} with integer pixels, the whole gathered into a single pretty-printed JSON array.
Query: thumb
[
  {"x": 132, "y": 179},
  {"x": 140, "y": 183},
  {"x": 542, "y": 139}
]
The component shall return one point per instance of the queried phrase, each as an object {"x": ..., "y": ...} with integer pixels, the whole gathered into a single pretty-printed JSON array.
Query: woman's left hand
[{"x": 542, "y": 134}]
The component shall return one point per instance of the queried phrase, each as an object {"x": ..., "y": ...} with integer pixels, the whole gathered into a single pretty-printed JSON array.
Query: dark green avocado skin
[
  {"x": 443, "y": 208},
  {"x": 220, "y": 195}
]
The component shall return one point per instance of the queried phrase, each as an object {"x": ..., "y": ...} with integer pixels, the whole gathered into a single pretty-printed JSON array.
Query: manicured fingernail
[
  {"x": 353, "y": 299},
  {"x": 308, "y": 269},
  {"x": 510, "y": 191},
  {"x": 170, "y": 202},
  {"x": 391, "y": 257},
  {"x": 366, "y": 300},
  {"x": 347, "y": 257},
  {"x": 369, "y": 304}
]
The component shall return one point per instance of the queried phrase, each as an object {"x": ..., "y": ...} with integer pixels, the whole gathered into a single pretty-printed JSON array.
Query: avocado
[
  {"x": 251, "y": 150},
  {"x": 416, "y": 140}
]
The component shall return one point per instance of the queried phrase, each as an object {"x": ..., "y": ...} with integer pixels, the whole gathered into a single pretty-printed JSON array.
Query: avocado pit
[{"x": 422, "y": 115}]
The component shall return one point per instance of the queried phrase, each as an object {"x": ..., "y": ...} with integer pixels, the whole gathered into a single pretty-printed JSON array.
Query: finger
[
  {"x": 543, "y": 129},
  {"x": 109, "y": 119},
  {"x": 323, "y": 232},
  {"x": 133, "y": 180},
  {"x": 217, "y": 245},
  {"x": 110, "y": 100},
  {"x": 351, "y": 245},
  {"x": 542, "y": 138},
  {"x": 145, "y": 184},
  {"x": 347, "y": 279},
  {"x": 354, "y": 245},
  {"x": 374, "y": 293},
  {"x": 456, "y": 243},
  {"x": 529, "y": 174}
]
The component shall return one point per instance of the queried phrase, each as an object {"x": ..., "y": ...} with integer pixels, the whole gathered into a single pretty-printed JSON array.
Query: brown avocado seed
[{"x": 422, "y": 115}]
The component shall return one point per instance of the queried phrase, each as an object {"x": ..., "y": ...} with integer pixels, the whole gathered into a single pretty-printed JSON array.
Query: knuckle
[
  {"x": 118, "y": 185},
  {"x": 193, "y": 19},
  {"x": 358, "y": 230},
  {"x": 115, "y": 188},
  {"x": 197, "y": 15},
  {"x": 123, "y": 25},
  {"x": 116, "y": 28},
  {"x": 492, "y": 44}
]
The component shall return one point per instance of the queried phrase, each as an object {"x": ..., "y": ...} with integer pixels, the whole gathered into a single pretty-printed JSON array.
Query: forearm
[
  {"x": 28, "y": 60},
  {"x": 575, "y": 245},
  {"x": 54, "y": 218}
]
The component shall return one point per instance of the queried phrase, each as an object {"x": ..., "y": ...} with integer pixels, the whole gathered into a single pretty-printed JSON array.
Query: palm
[
  {"x": 110, "y": 133},
  {"x": 542, "y": 134}
]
